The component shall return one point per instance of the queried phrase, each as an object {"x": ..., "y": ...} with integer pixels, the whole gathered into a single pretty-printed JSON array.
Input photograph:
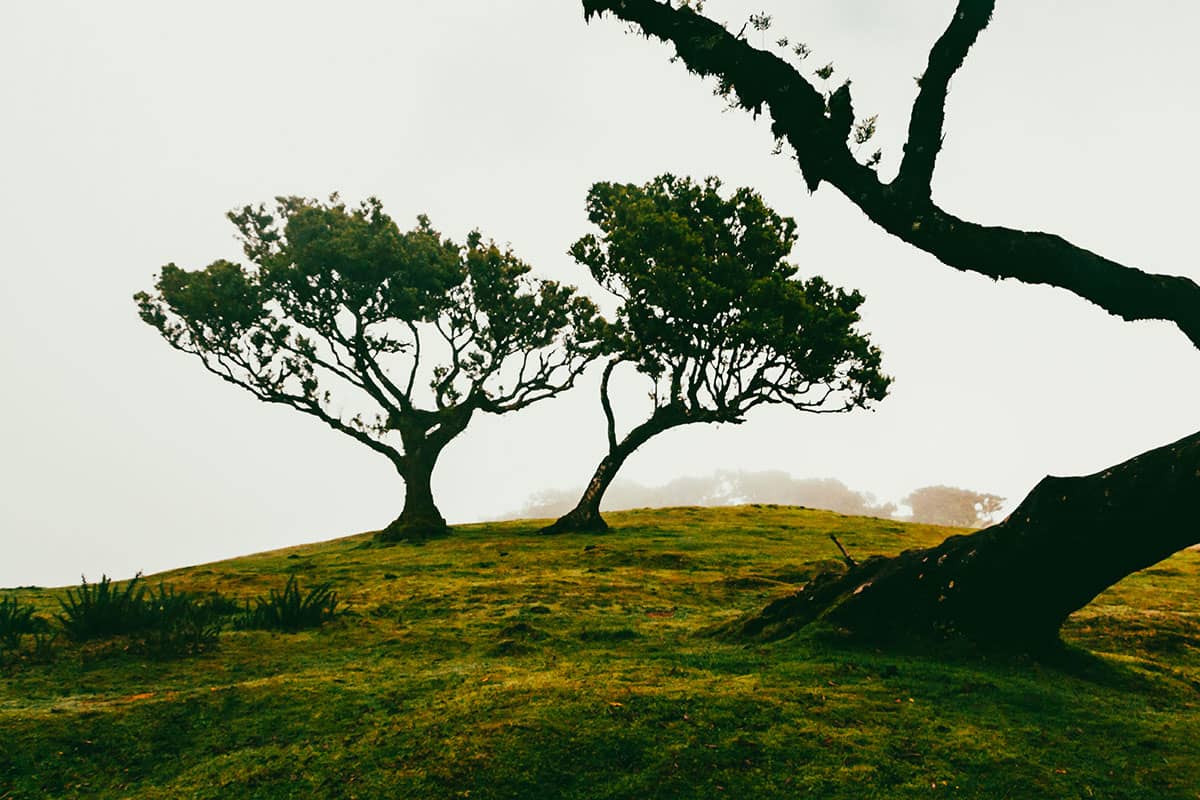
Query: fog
[{"x": 132, "y": 127}]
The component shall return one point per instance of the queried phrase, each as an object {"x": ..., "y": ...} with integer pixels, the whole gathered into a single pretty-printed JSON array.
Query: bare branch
[
  {"x": 607, "y": 404},
  {"x": 929, "y": 109}
]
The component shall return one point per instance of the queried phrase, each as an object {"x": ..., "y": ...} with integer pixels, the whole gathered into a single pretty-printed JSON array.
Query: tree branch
[
  {"x": 607, "y": 404},
  {"x": 798, "y": 113},
  {"x": 299, "y": 403},
  {"x": 929, "y": 109}
]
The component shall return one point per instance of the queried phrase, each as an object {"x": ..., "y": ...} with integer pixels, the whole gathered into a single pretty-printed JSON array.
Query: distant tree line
[{"x": 933, "y": 505}]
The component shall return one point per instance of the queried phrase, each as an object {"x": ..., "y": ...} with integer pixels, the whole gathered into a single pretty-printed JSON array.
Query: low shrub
[{"x": 292, "y": 609}]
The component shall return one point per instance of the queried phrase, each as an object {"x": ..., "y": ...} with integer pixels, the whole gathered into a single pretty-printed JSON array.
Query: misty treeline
[{"x": 933, "y": 505}]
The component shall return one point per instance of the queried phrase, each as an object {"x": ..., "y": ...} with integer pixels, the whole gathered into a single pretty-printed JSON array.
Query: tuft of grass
[
  {"x": 293, "y": 609},
  {"x": 102, "y": 610}
]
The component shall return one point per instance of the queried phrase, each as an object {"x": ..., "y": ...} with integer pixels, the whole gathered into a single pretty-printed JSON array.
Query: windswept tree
[
  {"x": 395, "y": 339},
  {"x": 1015, "y": 583},
  {"x": 713, "y": 317}
]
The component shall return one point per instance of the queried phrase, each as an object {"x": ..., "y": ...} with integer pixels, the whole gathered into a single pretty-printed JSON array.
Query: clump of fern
[
  {"x": 16, "y": 620},
  {"x": 178, "y": 623},
  {"x": 102, "y": 610},
  {"x": 292, "y": 609},
  {"x": 159, "y": 622}
]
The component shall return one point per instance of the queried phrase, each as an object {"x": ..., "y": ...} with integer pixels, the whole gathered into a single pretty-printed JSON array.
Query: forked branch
[{"x": 817, "y": 132}]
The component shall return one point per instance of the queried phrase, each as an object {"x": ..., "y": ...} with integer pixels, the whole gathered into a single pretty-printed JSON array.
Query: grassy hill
[{"x": 498, "y": 664}]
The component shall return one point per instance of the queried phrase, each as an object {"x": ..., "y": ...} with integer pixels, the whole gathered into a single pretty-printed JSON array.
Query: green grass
[{"x": 495, "y": 663}]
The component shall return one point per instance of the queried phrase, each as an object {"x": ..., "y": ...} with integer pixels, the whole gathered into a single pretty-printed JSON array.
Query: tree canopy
[{"x": 392, "y": 338}]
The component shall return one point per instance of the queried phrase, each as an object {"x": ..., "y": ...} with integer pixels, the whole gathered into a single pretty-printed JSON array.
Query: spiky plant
[
  {"x": 99, "y": 610},
  {"x": 15, "y": 620},
  {"x": 293, "y": 609}
]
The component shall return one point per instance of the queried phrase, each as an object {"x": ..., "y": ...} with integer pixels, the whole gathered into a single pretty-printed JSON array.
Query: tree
[
  {"x": 1012, "y": 584},
  {"x": 395, "y": 339},
  {"x": 714, "y": 317},
  {"x": 947, "y": 505}
]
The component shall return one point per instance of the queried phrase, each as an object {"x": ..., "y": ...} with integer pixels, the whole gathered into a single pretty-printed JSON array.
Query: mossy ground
[{"x": 495, "y": 663}]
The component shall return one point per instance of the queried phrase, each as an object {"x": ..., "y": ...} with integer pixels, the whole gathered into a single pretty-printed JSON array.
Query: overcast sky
[{"x": 130, "y": 128}]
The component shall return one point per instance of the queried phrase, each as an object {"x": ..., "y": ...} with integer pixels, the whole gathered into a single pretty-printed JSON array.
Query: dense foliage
[{"x": 711, "y": 309}]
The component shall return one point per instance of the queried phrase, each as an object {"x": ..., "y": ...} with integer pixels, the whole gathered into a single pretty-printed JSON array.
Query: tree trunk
[
  {"x": 585, "y": 517},
  {"x": 420, "y": 518},
  {"x": 425, "y": 435},
  {"x": 1011, "y": 586}
]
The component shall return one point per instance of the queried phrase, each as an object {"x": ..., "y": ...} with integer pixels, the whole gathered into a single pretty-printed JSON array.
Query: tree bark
[
  {"x": 1012, "y": 585},
  {"x": 585, "y": 516}
]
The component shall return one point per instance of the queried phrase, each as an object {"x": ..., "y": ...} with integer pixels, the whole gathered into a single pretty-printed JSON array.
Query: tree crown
[
  {"x": 713, "y": 312},
  {"x": 340, "y": 299}
]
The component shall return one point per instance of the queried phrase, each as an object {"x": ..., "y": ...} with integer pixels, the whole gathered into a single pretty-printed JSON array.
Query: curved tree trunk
[
  {"x": 586, "y": 514},
  {"x": 585, "y": 517},
  {"x": 1012, "y": 585}
]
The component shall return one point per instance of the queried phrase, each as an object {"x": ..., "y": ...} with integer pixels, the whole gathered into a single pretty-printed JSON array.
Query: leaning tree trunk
[
  {"x": 585, "y": 517},
  {"x": 1012, "y": 585}
]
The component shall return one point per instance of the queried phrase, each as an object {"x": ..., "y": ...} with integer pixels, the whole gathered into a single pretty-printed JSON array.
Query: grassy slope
[{"x": 495, "y": 663}]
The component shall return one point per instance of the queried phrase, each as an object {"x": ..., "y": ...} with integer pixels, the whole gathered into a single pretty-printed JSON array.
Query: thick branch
[
  {"x": 300, "y": 403},
  {"x": 929, "y": 109},
  {"x": 798, "y": 113}
]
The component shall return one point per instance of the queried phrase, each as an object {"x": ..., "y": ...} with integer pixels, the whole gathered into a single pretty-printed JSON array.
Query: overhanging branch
[{"x": 904, "y": 208}]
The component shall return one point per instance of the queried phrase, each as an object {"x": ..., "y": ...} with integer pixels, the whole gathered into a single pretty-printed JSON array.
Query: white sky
[{"x": 129, "y": 128}]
